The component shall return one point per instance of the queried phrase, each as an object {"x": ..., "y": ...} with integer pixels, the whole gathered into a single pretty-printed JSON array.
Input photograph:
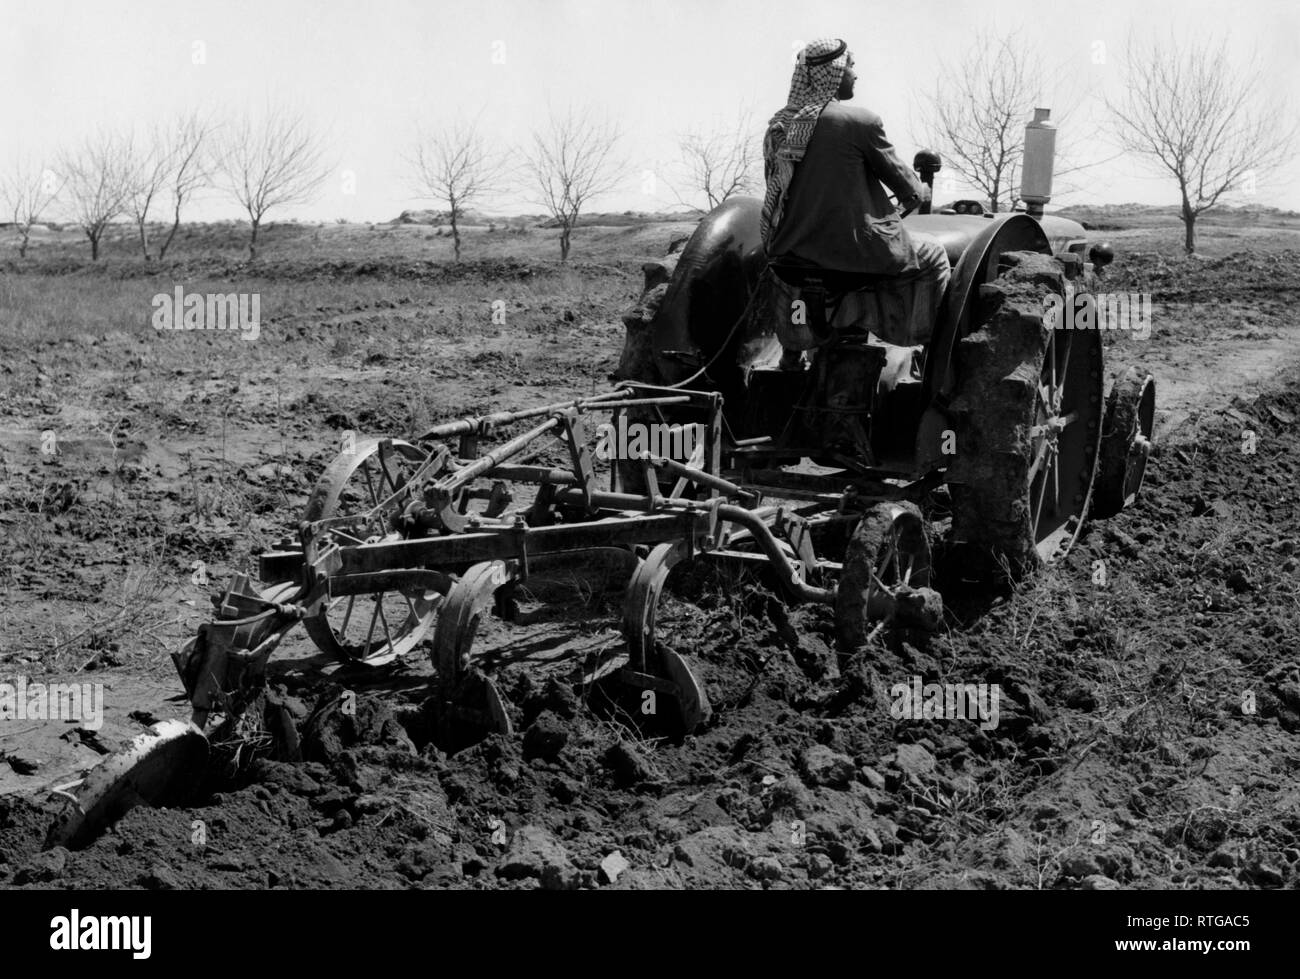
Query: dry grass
[{"x": 356, "y": 242}]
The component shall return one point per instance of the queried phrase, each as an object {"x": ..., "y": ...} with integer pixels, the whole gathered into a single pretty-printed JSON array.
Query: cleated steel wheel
[
  {"x": 1125, "y": 442},
  {"x": 1028, "y": 421},
  {"x": 889, "y": 550},
  {"x": 366, "y": 489}
]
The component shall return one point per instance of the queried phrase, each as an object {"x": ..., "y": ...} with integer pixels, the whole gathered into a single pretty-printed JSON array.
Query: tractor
[{"x": 1002, "y": 420}]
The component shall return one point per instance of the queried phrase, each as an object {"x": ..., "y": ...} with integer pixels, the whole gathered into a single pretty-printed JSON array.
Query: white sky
[{"x": 368, "y": 72}]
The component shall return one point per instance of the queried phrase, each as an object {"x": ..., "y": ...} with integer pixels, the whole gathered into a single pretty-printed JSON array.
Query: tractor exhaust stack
[{"x": 1039, "y": 161}]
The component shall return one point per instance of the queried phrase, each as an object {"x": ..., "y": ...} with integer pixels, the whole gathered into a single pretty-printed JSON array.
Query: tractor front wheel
[
  {"x": 888, "y": 559},
  {"x": 1125, "y": 442}
]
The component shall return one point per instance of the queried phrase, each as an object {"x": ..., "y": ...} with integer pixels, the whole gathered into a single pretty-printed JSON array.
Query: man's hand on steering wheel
[{"x": 909, "y": 204}]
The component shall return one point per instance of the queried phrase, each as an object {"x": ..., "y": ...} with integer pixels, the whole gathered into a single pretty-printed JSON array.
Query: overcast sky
[{"x": 368, "y": 72}]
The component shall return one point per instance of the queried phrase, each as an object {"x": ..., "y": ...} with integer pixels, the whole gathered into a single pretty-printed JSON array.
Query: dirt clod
[
  {"x": 822, "y": 766},
  {"x": 628, "y": 765},
  {"x": 44, "y": 867},
  {"x": 612, "y": 867},
  {"x": 914, "y": 759},
  {"x": 545, "y": 737},
  {"x": 536, "y": 853}
]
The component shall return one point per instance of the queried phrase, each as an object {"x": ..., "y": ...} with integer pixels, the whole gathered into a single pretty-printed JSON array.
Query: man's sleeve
[{"x": 884, "y": 163}]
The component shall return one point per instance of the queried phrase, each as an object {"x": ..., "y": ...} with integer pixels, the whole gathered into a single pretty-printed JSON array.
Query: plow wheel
[
  {"x": 367, "y": 486},
  {"x": 1125, "y": 442},
  {"x": 888, "y": 558},
  {"x": 650, "y": 664},
  {"x": 1028, "y": 421},
  {"x": 472, "y": 705}
]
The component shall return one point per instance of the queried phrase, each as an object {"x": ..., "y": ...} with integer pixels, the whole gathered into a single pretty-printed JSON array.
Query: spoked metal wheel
[
  {"x": 1027, "y": 421},
  {"x": 1064, "y": 438},
  {"x": 889, "y": 552},
  {"x": 364, "y": 489}
]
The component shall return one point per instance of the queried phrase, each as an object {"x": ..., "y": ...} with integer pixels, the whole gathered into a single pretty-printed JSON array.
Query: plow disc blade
[
  {"x": 471, "y": 710},
  {"x": 694, "y": 702},
  {"x": 156, "y": 768}
]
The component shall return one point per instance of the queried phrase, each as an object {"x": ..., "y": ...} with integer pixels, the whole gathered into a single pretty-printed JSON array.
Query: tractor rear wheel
[{"x": 1027, "y": 420}]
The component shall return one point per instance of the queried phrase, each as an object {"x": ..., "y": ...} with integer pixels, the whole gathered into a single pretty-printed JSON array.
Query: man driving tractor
[{"x": 825, "y": 209}]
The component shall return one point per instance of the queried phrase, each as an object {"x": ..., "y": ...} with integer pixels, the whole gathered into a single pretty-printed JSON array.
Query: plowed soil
[{"x": 1150, "y": 682}]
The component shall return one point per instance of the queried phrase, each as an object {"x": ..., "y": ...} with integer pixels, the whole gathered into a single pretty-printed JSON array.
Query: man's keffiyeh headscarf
[{"x": 816, "y": 81}]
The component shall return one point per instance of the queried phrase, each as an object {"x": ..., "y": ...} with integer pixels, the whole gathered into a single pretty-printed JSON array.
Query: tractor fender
[
  {"x": 718, "y": 270},
  {"x": 959, "y": 314}
]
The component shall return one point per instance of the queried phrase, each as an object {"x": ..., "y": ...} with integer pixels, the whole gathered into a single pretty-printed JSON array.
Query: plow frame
[{"x": 439, "y": 546}]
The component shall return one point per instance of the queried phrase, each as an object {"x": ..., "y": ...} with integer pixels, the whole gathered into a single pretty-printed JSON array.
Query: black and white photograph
[{"x": 656, "y": 446}]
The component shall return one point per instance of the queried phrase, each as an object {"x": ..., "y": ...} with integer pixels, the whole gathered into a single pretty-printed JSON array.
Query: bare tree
[
  {"x": 28, "y": 191},
  {"x": 571, "y": 161},
  {"x": 100, "y": 177},
  {"x": 720, "y": 163},
  {"x": 455, "y": 166},
  {"x": 975, "y": 115},
  {"x": 276, "y": 161},
  {"x": 151, "y": 169},
  {"x": 1190, "y": 112},
  {"x": 190, "y": 168}
]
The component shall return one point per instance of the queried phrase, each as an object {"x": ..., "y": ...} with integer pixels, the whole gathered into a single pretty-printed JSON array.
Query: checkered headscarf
[{"x": 816, "y": 80}]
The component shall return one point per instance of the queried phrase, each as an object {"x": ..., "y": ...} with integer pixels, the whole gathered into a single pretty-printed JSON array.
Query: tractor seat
[
  {"x": 858, "y": 301},
  {"x": 803, "y": 276}
]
